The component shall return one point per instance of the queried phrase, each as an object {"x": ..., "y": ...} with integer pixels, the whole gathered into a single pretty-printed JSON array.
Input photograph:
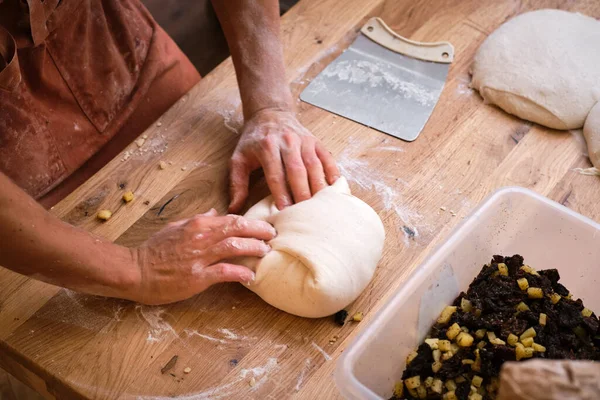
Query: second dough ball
[
  {"x": 324, "y": 255},
  {"x": 542, "y": 66}
]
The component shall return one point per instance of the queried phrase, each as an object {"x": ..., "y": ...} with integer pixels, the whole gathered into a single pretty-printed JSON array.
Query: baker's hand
[
  {"x": 295, "y": 163},
  {"x": 188, "y": 256}
]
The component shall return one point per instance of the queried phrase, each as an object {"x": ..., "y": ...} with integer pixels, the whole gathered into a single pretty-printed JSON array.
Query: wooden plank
[{"x": 87, "y": 347}]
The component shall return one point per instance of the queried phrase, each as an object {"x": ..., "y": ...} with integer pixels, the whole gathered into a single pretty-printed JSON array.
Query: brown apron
[{"x": 79, "y": 79}]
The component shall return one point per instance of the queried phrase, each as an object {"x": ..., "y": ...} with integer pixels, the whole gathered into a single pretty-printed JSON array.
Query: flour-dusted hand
[
  {"x": 188, "y": 256},
  {"x": 295, "y": 163}
]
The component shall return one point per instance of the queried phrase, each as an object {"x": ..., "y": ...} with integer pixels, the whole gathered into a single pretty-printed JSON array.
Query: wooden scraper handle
[{"x": 376, "y": 30}]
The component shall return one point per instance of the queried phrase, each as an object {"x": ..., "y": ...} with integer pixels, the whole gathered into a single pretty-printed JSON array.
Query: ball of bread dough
[
  {"x": 591, "y": 131},
  {"x": 542, "y": 66},
  {"x": 324, "y": 255}
]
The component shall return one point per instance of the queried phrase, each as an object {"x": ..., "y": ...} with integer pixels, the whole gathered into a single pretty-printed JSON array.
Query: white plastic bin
[{"x": 511, "y": 221}]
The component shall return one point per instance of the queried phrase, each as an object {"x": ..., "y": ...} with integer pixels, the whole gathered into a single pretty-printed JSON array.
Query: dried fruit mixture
[{"x": 511, "y": 312}]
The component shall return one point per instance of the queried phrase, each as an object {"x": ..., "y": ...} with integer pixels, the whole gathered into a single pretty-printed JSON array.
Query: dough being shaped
[
  {"x": 591, "y": 131},
  {"x": 324, "y": 255},
  {"x": 542, "y": 66}
]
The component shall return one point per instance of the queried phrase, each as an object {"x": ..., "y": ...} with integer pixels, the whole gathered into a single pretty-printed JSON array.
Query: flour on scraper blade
[{"x": 324, "y": 255}]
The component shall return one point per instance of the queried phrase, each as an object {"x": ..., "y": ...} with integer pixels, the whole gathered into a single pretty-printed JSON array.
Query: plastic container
[{"x": 511, "y": 221}]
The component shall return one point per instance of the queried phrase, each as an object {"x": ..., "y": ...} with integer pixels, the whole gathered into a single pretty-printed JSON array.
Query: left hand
[{"x": 295, "y": 163}]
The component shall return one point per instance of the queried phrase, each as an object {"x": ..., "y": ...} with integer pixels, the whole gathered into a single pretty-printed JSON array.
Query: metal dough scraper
[{"x": 384, "y": 81}]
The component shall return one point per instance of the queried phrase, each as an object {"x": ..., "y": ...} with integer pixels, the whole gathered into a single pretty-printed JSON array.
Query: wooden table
[{"x": 68, "y": 345}]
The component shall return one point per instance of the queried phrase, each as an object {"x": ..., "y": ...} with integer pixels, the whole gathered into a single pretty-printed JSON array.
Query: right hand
[{"x": 188, "y": 256}]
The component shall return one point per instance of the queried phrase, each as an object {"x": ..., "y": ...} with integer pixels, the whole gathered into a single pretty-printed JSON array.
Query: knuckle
[
  {"x": 267, "y": 142},
  {"x": 290, "y": 138},
  {"x": 274, "y": 178}
]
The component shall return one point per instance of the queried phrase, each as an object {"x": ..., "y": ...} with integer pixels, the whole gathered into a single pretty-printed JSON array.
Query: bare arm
[
  {"x": 176, "y": 263},
  {"x": 295, "y": 163}
]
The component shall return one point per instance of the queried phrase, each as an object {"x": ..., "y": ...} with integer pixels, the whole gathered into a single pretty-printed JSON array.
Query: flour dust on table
[{"x": 324, "y": 255}]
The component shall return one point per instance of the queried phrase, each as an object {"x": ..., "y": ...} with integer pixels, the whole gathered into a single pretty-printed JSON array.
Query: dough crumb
[
  {"x": 183, "y": 168},
  {"x": 162, "y": 165},
  {"x": 252, "y": 382},
  {"x": 127, "y": 197},
  {"x": 145, "y": 137},
  {"x": 443, "y": 208},
  {"x": 187, "y": 370},
  {"x": 104, "y": 215},
  {"x": 159, "y": 124},
  {"x": 140, "y": 142}
]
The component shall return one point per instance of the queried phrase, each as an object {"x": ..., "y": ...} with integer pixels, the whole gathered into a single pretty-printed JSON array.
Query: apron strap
[
  {"x": 39, "y": 12},
  {"x": 10, "y": 74}
]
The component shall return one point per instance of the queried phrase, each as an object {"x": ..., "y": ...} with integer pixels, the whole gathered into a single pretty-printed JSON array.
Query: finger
[
  {"x": 332, "y": 172},
  {"x": 316, "y": 175},
  {"x": 296, "y": 174},
  {"x": 224, "y": 272},
  {"x": 239, "y": 177},
  {"x": 272, "y": 165},
  {"x": 235, "y": 225},
  {"x": 236, "y": 247}
]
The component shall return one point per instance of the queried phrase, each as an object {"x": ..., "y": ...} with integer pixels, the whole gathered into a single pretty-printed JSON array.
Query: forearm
[
  {"x": 253, "y": 34},
  {"x": 39, "y": 245}
]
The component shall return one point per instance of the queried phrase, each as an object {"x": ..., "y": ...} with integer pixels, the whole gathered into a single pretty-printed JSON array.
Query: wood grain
[{"x": 69, "y": 345}]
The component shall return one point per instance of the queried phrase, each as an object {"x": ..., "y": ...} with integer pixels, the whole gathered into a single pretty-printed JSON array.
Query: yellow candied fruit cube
[
  {"x": 454, "y": 348},
  {"x": 444, "y": 345},
  {"x": 433, "y": 343},
  {"x": 555, "y": 298},
  {"x": 447, "y": 355},
  {"x": 527, "y": 342},
  {"x": 535, "y": 293},
  {"x": 586, "y": 312},
  {"x": 436, "y": 366},
  {"x": 569, "y": 296},
  {"x": 446, "y": 314},
  {"x": 399, "y": 389},
  {"x": 498, "y": 342},
  {"x": 523, "y": 283},
  {"x": 104, "y": 215},
  {"x": 422, "y": 392},
  {"x": 529, "y": 270},
  {"x": 453, "y": 331},
  {"x": 477, "y": 381},
  {"x": 512, "y": 340},
  {"x": 480, "y": 333},
  {"x": 475, "y": 396},
  {"x": 460, "y": 379},
  {"x": 413, "y": 393},
  {"x": 481, "y": 344},
  {"x": 437, "y": 386},
  {"x": 491, "y": 336},
  {"x": 502, "y": 269},
  {"x": 358, "y": 316},
  {"x": 464, "y": 329},
  {"x": 451, "y": 395},
  {"x": 543, "y": 319},
  {"x": 411, "y": 356},
  {"x": 466, "y": 305},
  {"x": 428, "y": 382},
  {"x": 529, "y": 333},
  {"x": 413, "y": 383},
  {"x": 437, "y": 354},
  {"x": 464, "y": 339},
  {"x": 467, "y": 361},
  {"x": 522, "y": 307},
  {"x": 538, "y": 348},
  {"x": 128, "y": 196},
  {"x": 477, "y": 312},
  {"x": 523, "y": 352},
  {"x": 450, "y": 385}
]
